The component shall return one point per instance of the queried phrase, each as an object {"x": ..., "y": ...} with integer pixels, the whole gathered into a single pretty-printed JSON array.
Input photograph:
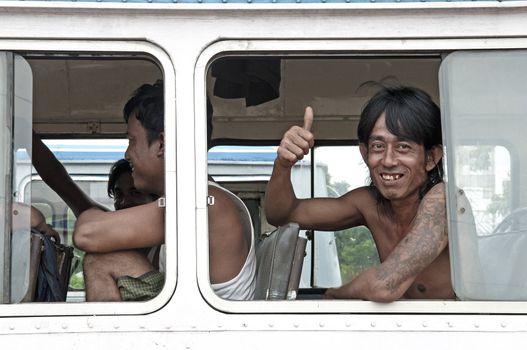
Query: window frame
[
  {"x": 325, "y": 48},
  {"x": 104, "y": 47}
]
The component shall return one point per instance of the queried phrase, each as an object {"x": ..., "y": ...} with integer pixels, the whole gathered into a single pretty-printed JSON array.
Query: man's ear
[
  {"x": 433, "y": 156},
  {"x": 363, "y": 148},
  {"x": 161, "y": 150}
]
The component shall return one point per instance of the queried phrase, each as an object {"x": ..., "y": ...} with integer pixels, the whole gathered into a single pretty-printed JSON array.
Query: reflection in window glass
[
  {"x": 485, "y": 176},
  {"x": 341, "y": 169}
]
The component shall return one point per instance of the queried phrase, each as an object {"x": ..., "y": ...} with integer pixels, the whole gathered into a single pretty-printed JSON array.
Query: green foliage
[
  {"x": 356, "y": 251},
  {"x": 355, "y": 246},
  {"x": 77, "y": 281},
  {"x": 77, "y": 277}
]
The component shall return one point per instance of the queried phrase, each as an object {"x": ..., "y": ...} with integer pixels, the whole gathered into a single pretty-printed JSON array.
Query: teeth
[{"x": 391, "y": 177}]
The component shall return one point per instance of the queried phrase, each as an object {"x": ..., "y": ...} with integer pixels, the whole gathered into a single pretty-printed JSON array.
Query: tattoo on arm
[{"x": 424, "y": 242}]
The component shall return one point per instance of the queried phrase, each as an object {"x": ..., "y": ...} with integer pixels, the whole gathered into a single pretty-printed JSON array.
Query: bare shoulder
[
  {"x": 362, "y": 198},
  {"x": 360, "y": 193},
  {"x": 436, "y": 192},
  {"x": 224, "y": 209},
  {"x": 221, "y": 199},
  {"x": 227, "y": 232},
  {"x": 432, "y": 209}
]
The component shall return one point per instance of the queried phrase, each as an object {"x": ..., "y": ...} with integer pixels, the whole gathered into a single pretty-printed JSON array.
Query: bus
[{"x": 68, "y": 67}]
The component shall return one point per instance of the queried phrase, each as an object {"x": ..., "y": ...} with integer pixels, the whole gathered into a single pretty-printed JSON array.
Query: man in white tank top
[{"x": 232, "y": 262}]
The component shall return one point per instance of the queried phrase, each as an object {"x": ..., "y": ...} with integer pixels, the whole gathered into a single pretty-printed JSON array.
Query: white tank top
[
  {"x": 242, "y": 286},
  {"x": 161, "y": 259}
]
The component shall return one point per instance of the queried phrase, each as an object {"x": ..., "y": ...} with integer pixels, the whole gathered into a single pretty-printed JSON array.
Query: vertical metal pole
[{"x": 312, "y": 189}]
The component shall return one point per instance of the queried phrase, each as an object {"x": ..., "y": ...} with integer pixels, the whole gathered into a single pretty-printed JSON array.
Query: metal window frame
[{"x": 316, "y": 48}]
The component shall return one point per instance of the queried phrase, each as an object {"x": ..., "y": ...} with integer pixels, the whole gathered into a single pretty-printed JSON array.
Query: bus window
[
  {"x": 256, "y": 99},
  {"x": 483, "y": 107},
  {"x": 80, "y": 98}
]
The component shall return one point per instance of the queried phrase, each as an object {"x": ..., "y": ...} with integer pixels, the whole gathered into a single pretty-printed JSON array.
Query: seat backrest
[{"x": 280, "y": 256}]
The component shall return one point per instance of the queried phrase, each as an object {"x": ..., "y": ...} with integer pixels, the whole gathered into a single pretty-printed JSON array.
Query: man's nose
[{"x": 390, "y": 158}]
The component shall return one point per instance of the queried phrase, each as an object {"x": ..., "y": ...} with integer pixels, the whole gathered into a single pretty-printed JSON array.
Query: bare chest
[{"x": 433, "y": 282}]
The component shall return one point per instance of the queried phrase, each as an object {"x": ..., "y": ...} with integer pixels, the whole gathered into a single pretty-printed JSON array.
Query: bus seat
[{"x": 280, "y": 256}]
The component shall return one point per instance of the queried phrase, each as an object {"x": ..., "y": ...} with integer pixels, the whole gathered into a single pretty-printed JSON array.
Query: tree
[
  {"x": 355, "y": 246},
  {"x": 356, "y": 250}
]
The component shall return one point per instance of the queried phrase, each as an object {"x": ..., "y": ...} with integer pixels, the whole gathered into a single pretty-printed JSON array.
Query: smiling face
[
  {"x": 146, "y": 159},
  {"x": 398, "y": 167}
]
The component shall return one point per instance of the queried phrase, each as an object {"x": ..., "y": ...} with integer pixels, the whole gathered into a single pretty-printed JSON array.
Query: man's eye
[{"x": 377, "y": 146}]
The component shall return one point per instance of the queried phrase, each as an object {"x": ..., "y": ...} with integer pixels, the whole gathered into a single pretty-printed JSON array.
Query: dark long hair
[{"x": 410, "y": 114}]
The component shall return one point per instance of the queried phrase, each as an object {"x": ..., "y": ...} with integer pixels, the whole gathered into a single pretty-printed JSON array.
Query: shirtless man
[
  {"x": 115, "y": 270},
  {"x": 404, "y": 207}
]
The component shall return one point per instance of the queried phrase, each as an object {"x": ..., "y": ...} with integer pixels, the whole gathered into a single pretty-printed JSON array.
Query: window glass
[
  {"x": 21, "y": 219},
  {"x": 483, "y": 107},
  {"x": 485, "y": 177}
]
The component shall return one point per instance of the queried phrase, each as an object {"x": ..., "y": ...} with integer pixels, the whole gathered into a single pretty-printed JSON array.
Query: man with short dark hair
[
  {"x": 114, "y": 269},
  {"x": 404, "y": 207}
]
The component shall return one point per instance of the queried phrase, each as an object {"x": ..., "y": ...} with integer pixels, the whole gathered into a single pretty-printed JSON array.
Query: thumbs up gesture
[{"x": 296, "y": 142}]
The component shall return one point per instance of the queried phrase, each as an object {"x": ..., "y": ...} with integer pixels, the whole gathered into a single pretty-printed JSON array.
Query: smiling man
[
  {"x": 404, "y": 206},
  {"x": 115, "y": 266}
]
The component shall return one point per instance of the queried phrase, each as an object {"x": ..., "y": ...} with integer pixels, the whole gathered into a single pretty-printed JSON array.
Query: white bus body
[{"x": 322, "y": 46}]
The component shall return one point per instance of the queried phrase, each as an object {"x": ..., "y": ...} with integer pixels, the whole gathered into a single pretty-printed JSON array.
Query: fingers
[
  {"x": 48, "y": 230},
  {"x": 308, "y": 118},
  {"x": 297, "y": 141},
  {"x": 295, "y": 144}
]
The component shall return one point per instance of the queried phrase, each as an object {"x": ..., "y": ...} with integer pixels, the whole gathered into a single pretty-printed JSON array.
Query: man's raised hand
[{"x": 297, "y": 141}]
